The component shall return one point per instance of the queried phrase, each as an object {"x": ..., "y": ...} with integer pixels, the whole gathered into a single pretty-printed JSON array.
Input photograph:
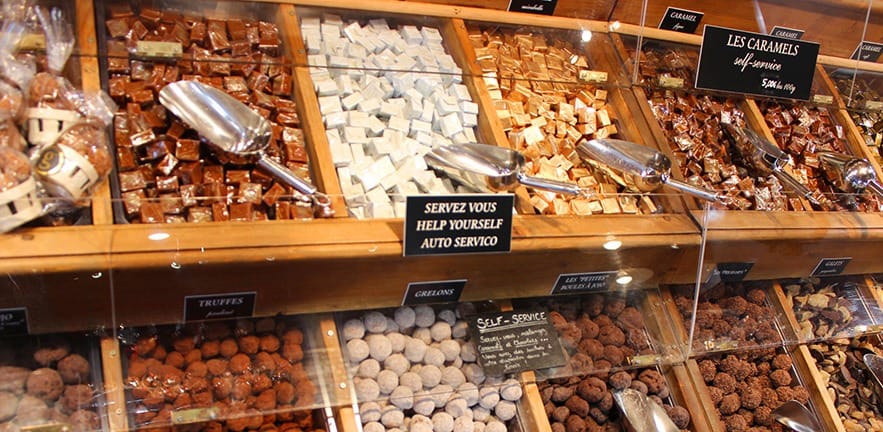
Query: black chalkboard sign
[
  {"x": 516, "y": 341},
  {"x": 458, "y": 224},
  {"x": 218, "y": 306},
  {"x": 831, "y": 266},
  {"x": 867, "y": 51},
  {"x": 448, "y": 291},
  {"x": 786, "y": 32},
  {"x": 13, "y": 322},
  {"x": 540, "y": 7},
  {"x": 571, "y": 283},
  {"x": 680, "y": 20},
  {"x": 744, "y": 62},
  {"x": 734, "y": 271}
]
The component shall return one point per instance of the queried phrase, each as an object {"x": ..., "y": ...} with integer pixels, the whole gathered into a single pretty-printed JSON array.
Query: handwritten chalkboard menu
[
  {"x": 744, "y": 62},
  {"x": 514, "y": 341},
  {"x": 458, "y": 224}
]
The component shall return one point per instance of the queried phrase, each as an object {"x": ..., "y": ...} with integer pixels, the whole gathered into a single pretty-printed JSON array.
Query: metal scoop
[
  {"x": 232, "y": 127},
  {"x": 483, "y": 168},
  {"x": 874, "y": 364},
  {"x": 642, "y": 414},
  {"x": 647, "y": 169},
  {"x": 797, "y": 417},
  {"x": 766, "y": 158},
  {"x": 850, "y": 174}
]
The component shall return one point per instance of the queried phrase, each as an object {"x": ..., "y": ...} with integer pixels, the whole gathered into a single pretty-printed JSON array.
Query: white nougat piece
[
  {"x": 345, "y": 176},
  {"x": 469, "y": 120},
  {"x": 470, "y": 135},
  {"x": 353, "y": 32},
  {"x": 377, "y": 195},
  {"x": 355, "y": 135},
  {"x": 326, "y": 87},
  {"x": 335, "y": 120},
  {"x": 310, "y": 23},
  {"x": 358, "y": 119},
  {"x": 382, "y": 210},
  {"x": 378, "y": 24},
  {"x": 329, "y": 105},
  {"x": 352, "y": 101},
  {"x": 390, "y": 109},
  {"x": 341, "y": 155},
  {"x": 369, "y": 105},
  {"x": 460, "y": 92},
  {"x": 411, "y": 35},
  {"x": 431, "y": 34},
  {"x": 358, "y": 152},
  {"x": 317, "y": 60},
  {"x": 375, "y": 126},
  {"x": 468, "y": 107},
  {"x": 450, "y": 125},
  {"x": 418, "y": 126},
  {"x": 399, "y": 124}
]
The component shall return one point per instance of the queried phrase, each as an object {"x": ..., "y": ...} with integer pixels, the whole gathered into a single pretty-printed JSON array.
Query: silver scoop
[
  {"x": 646, "y": 168},
  {"x": 766, "y": 158},
  {"x": 484, "y": 168},
  {"x": 874, "y": 363},
  {"x": 642, "y": 414},
  {"x": 850, "y": 174},
  {"x": 231, "y": 127},
  {"x": 796, "y": 416}
]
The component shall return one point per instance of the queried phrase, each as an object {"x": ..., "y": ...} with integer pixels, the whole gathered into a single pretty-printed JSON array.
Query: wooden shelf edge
[{"x": 114, "y": 388}]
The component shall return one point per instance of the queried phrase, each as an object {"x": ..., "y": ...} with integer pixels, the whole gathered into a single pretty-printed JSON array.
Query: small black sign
[
  {"x": 785, "y": 32},
  {"x": 433, "y": 292},
  {"x": 867, "y": 51},
  {"x": 516, "y": 341},
  {"x": 572, "y": 283},
  {"x": 13, "y": 322},
  {"x": 831, "y": 266},
  {"x": 217, "y": 306},
  {"x": 458, "y": 224},
  {"x": 680, "y": 20},
  {"x": 734, "y": 271},
  {"x": 541, "y": 7},
  {"x": 754, "y": 63}
]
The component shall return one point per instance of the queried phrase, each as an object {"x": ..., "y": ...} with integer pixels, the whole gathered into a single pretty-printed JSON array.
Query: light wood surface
[{"x": 114, "y": 385}]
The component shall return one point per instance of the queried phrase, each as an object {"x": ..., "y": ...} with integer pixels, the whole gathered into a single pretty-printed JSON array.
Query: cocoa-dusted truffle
[
  {"x": 45, "y": 384},
  {"x": 725, "y": 382},
  {"x": 210, "y": 348},
  {"x": 76, "y": 397},
  {"x": 577, "y": 405},
  {"x": 708, "y": 370},
  {"x": 240, "y": 363},
  {"x": 84, "y": 421},
  {"x": 591, "y": 389},
  {"x": 229, "y": 347},
  {"x": 679, "y": 415},
  {"x": 574, "y": 423},
  {"x": 49, "y": 355},
  {"x": 781, "y": 361},
  {"x": 756, "y": 296},
  {"x": 269, "y": 343},
  {"x": 611, "y": 335},
  {"x": 292, "y": 352},
  {"x": 74, "y": 369},
  {"x": 31, "y": 410},
  {"x": 592, "y": 348},
  {"x": 730, "y": 404},
  {"x": 654, "y": 380},
  {"x": 13, "y": 378},
  {"x": 620, "y": 380},
  {"x": 8, "y": 405},
  {"x": 736, "y": 423},
  {"x": 780, "y": 378}
]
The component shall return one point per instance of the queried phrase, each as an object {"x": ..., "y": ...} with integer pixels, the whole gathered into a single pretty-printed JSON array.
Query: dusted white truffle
[
  {"x": 415, "y": 349},
  {"x": 387, "y": 380},
  {"x": 423, "y": 403},
  {"x": 423, "y": 334},
  {"x": 488, "y": 397},
  {"x": 420, "y": 423},
  {"x": 511, "y": 390},
  {"x": 447, "y": 316},
  {"x": 412, "y": 380},
  {"x": 440, "y": 394},
  {"x": 469, "y": 392},
  {"x": 457, "y": 363},
  {"x": 402, "y": 397},
  {"x": 373, "y": 427},
  {"x": 415, "y": 367},
  {"x": 473, "y": 373},
  {"x": 375, "y": 322},
  {"x": 369, "y": 411},
  {"x": 367, "y": 389},
  {"x": 405, "y": 317},
  {"x": 396, "y": 341},
  {"x": 434, "y": 356},
  {"x": 505, "y": 410},
  {"x": 391, "y": 325},
  {"x": 353, "y": 329},
  {"x": 459, "y": 329},
  {"x": 395, "y": 429},
  {"x": 358, "y": 350},
  {"x": 430, "y": 375},
  {"x": 479, "y": 426},
  {"x": 397, "y": 363},
  {"x": 450, "y": 348},
  {"x": 452, "y": 376},
  {"x": 494, "y": 379},
  {"x": 480, "y": 413},
  {"x": 440, "y": 331},
  {"x": 379, "y": 346},
  {"x": 463, "y": 424},
  {"x": 457, "y": 407},
  {"x": 368, "y": 368},
  {"x": 468, "y": 352},
  {"x": 392, "y": 416},
  {"x": 425, "y": 316},
  {"x": 495, "y": 426},
  {"x": 442, "y": 422}
]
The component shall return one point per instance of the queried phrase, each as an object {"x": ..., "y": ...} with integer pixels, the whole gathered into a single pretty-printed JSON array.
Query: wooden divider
[{"x": 114, "y": 385}]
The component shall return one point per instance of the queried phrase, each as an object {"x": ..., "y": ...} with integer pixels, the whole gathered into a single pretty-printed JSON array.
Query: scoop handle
[
  {"x": 876, "y": 188},
  {"x": 696, "y": 191},
  {"x": 556, "y": 186},
  {"x": 283, "y": 174},
  {"x": 796, "y": 186}
]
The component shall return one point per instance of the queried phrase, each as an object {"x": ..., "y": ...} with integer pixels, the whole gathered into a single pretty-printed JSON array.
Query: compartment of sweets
[
  {"x": 729, "y": 316},
  {"x": 745, "y": 387},
  {"x": 414, "y": 368},
  {"x": 585, "y": 403},
  {"x": 661, "y": 63},
  {"x": 164, "y": 173},
  {"x": 860, "y": 90},
  {"x": 870, "y": 126},
  {"x": 802, "y": 130},
  {"x": 241, "y": 374},
  {"x": 536, "y": 81},
  {"x": 828, "y": 308},
  {"x": 51, "y": 380},
  {"x": 603, "y": 332},
  {"x": 848, "y": 381},
  {"x": 388, "y": 92}
]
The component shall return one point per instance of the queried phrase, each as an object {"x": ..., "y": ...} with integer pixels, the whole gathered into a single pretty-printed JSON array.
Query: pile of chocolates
[
  {"x": 600, "y": 332},
  {"x": 729, "y": 316},
  {"x": 247, "y": 374},
  {"x": 825, "y": 310},
  {"x": 579, "y": 404},
  {"x": 545, "y": 111},
  {"x": 802, "y": 130},
  {"x": 48, "y": 384},
  {"x": 664, "y": 64},
  {"x": 166, "y": 175},
  {"x": 849, "y": 383},
  {"x": 870, "y": 125},
  {"x": 746, "y": 387},
  {"x": 858, "y": 92}
]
